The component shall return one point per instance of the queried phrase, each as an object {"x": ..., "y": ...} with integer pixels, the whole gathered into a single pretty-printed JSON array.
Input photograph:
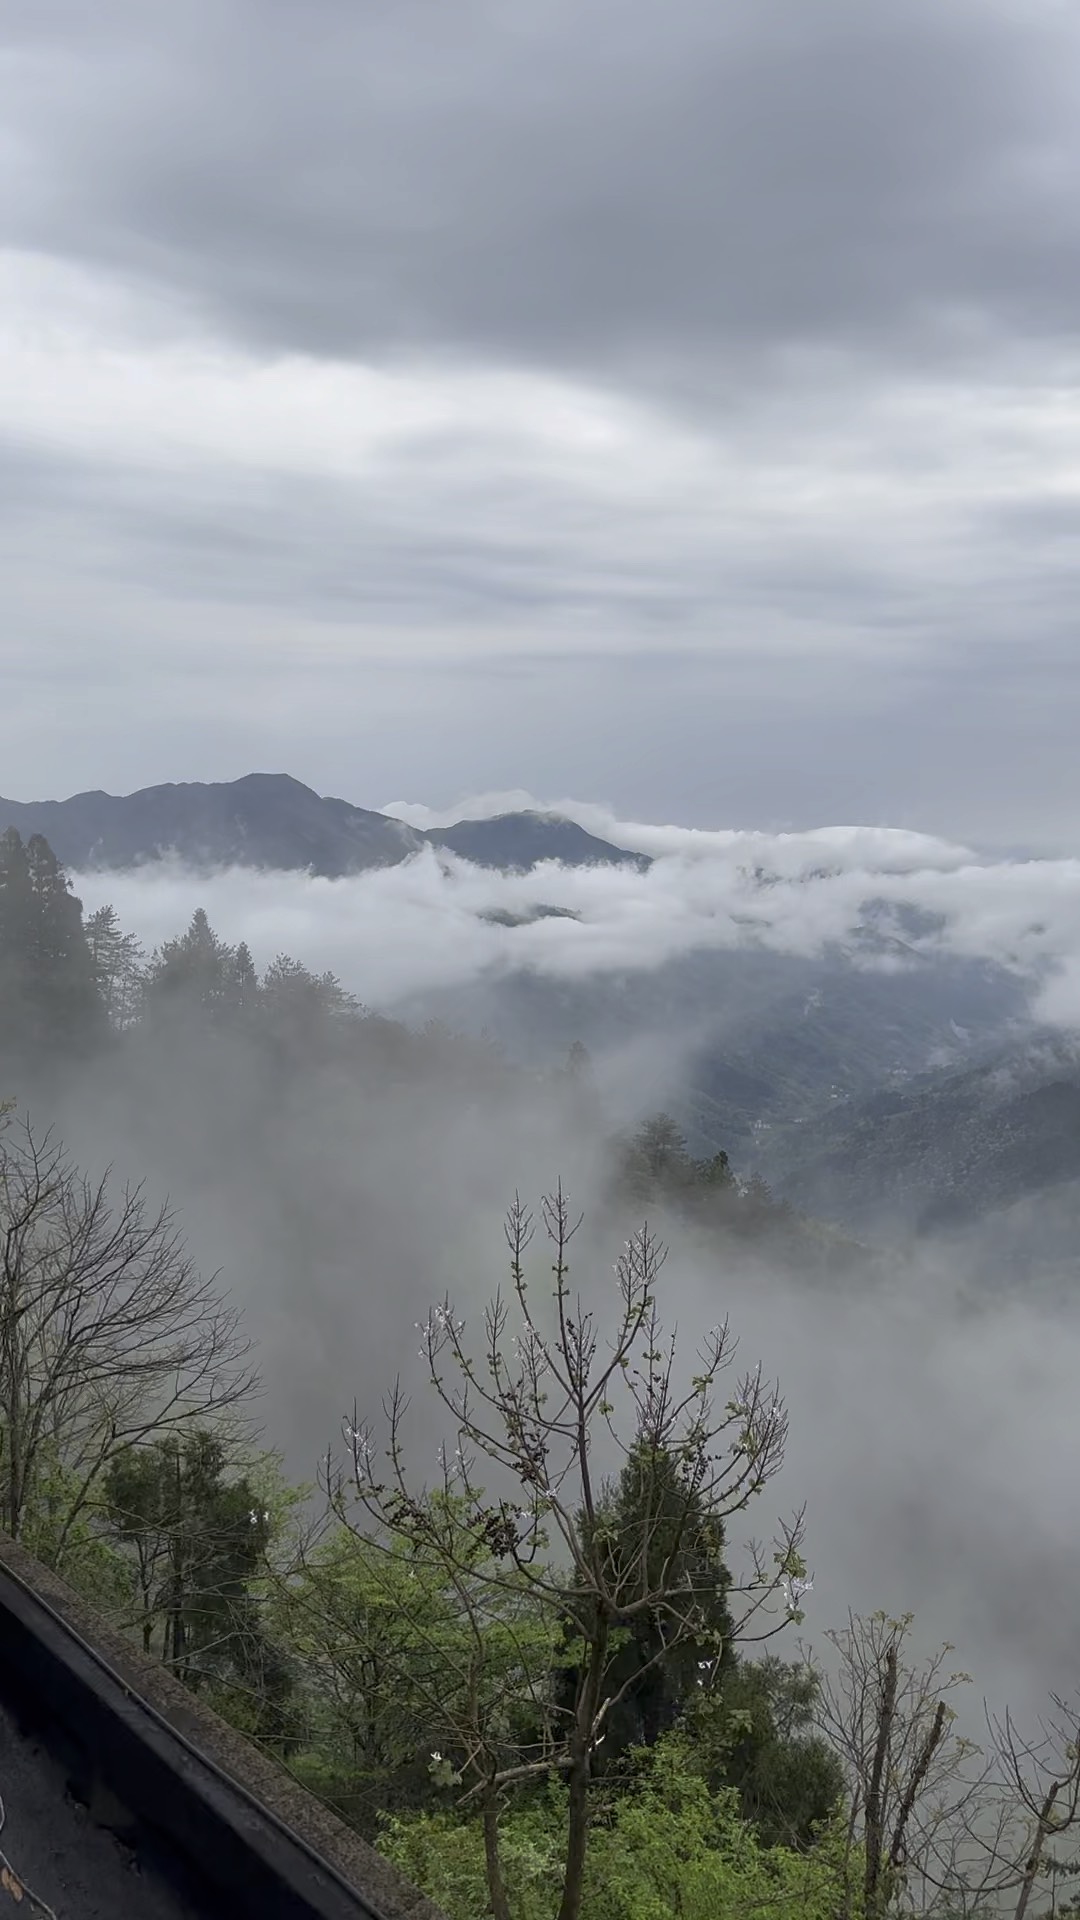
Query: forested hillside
[
  {"x": 951, "y": 1146},
  {"x": 513, "y": 1630}
]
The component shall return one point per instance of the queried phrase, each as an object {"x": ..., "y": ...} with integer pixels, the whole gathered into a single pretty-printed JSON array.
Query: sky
[{"x": 672, "y": 406}]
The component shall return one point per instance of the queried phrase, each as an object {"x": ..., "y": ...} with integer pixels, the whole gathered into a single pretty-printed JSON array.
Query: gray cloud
[
  {"x": 679, "y": 407},
  {"x": 565, "y": 184}
]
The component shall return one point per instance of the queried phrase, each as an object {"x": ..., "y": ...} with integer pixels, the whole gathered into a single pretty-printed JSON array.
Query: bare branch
[{"x": 108, "y": 1333}]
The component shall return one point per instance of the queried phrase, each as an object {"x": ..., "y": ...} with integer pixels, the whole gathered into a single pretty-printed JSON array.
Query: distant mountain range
[{"x": 268, "y": 820}]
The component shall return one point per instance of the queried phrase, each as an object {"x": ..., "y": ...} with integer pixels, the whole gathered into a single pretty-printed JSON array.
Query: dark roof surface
[
  {"x": 54, "y": 1847},
  {"x": 200, "y": 1807}
]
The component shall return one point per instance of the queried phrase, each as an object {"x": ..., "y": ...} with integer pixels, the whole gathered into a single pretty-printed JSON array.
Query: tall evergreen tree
[
  {"x": 654, "y": 1529},
  {"x": 242, "y": 984},
  {"x": 117, "y": 959},
  {"x": 49, "y": 1001},
  {"x": 303, "y": 1008},
  {"x": 194, "y": 970},
  {"x": 15, "y": 919}
]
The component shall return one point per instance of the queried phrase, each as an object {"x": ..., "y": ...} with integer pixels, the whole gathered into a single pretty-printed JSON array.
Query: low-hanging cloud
[
  {"x": 930, "y": 1412},
  {"x": 437, "y": 921}
]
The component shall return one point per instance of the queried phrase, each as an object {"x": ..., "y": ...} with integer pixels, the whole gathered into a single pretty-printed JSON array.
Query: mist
[
  {"x": 930, "y": 1412},
  {"x": 437, "y": 922},
  {"x": 340, "y": 1191}
]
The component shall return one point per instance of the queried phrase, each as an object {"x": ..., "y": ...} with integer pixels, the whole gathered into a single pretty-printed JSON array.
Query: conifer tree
[
  {"x": 49, "y": 1000},
  {"x": 117, "y": 960},
  {"x": 243, "y": 982},
  {"x": 654, "y": 1531},
  {"x": 195, "y": 969}
]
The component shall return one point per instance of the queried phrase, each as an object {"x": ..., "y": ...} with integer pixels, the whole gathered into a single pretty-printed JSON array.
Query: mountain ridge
[{"x": 274, "y": 822}]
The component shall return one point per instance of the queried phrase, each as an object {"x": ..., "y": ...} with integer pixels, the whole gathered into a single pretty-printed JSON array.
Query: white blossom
[{"x": 794, "y": 1589}]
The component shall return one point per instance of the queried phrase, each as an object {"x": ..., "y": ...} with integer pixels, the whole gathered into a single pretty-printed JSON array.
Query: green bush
[{"x": 668, "y": 1847}]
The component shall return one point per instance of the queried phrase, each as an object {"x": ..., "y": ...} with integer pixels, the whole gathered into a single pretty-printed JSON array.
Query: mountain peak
[{"x": 274, "y": 821}]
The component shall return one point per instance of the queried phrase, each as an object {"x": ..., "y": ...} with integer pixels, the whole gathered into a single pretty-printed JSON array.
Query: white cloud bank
[{"x": 427, "y": 924}]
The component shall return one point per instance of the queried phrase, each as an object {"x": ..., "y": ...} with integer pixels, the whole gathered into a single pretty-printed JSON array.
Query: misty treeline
[
  {"x": 72, "y": 989},
  {"x": 66, "y": 983},
  {"x": 550, "y": 1671}
]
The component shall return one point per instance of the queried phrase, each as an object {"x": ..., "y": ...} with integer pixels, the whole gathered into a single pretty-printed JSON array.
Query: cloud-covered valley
[{"x": 890, "y": 897}]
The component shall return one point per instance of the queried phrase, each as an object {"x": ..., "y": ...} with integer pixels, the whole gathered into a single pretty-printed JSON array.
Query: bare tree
[
  {"x": 108, "y": 1333},
  {"x": 538, "y": 1406},
  {"x": 916, "y": 1789},
  {"x": 1043, "y": 1779},
  {"x": 944, "y": 1827}
]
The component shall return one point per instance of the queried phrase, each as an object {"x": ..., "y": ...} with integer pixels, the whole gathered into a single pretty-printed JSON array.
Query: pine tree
[
  {"x": 657, "y": 1161},
  {"x": 242, "y": 986},
  {"x": 195, "y": 970},
  {"x": 117, "y": 961},
  {"x": 303, "y": 1007},
  {"x": 50, "y": 1000},
  {"x": 15, "y": 918}
]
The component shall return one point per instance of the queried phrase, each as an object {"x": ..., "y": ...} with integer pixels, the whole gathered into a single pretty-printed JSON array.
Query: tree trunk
[
  {"x": 500, "y": 1906},
  {"x": 1035, "y": 1856},
  {"x": 13, "y": 1452},
  {"x": 577, "y": 1833},
  {"x": 874, "y": 1825},
  {"x": 577, "y": 1839}
]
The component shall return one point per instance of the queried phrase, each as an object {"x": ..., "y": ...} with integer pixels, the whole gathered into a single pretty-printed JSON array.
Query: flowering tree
[{"x": 548, "y": 1545}]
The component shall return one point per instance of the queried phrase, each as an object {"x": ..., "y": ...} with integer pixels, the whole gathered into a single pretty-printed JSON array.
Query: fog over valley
[{"x": 340, "y": 1189}]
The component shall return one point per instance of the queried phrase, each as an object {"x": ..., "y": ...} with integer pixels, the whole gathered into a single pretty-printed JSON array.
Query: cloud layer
[
  {"x": 558, "y": 185},
  {"x": 370, "y": 388},
  {"x": 428, "y": 924}
]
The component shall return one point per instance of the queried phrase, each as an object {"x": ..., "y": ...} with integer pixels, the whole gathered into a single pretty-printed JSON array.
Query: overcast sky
[{"x": 671, "y": 406}]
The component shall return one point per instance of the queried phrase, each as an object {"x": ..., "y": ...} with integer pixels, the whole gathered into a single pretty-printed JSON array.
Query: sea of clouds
[{"x": 427, "y": 924}]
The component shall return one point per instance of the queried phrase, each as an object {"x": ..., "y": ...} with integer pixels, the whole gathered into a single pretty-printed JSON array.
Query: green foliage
[
  {"x": 654, "y": 1531},
  {"x": 371, "y": 1632},
  {"x": 754, "y": 1731},
  {"x": 402, "y": 1660},
  {"x": 196, "y": 1536},
  {"x": 655, "y": 1167},
  {"x": 667, "y": 1847},
  {"x": 197, "y": 969},
  {"x": 92, "y": 1563},
  {"x": 443, "y": 1855},
  {"x": 117, "y": 962},
  {"x": 657, "y": 1162}
]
